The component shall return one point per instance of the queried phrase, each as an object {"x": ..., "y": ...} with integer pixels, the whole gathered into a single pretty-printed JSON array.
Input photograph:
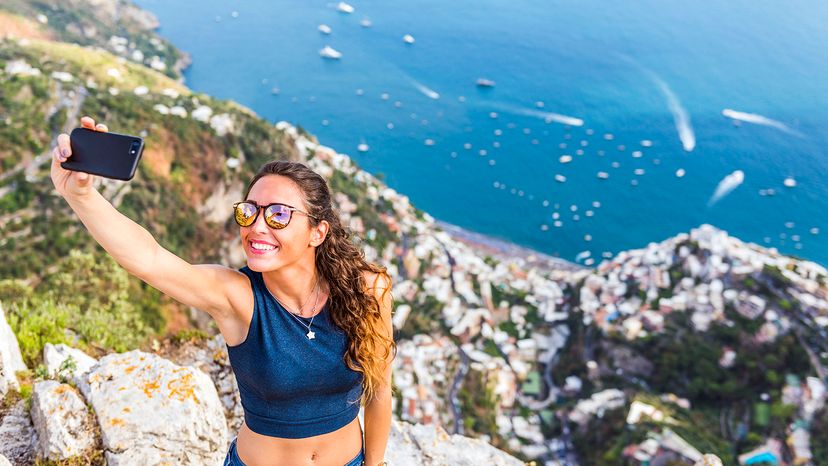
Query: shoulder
[{"x": 238, "y": 284}]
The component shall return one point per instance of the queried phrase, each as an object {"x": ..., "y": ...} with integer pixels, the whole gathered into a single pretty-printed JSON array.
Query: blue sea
[{"x": 635, "y": 93}]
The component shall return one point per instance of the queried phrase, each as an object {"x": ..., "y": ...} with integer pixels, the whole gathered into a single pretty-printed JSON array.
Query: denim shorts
[{"x": 232, "y": 458}]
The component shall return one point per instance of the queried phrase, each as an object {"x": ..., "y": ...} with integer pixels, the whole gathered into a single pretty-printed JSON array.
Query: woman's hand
[{"x": 70, "y": 183}]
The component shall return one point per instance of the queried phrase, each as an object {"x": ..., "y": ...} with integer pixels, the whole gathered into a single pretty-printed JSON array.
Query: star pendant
[{"x": 311, "y": 335}]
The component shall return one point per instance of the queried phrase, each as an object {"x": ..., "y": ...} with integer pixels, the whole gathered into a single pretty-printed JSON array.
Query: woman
[{"x": 307, "y": 322}]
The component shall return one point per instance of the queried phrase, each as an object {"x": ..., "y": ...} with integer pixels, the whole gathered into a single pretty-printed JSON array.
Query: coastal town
[{"x": 512, "y": 334}]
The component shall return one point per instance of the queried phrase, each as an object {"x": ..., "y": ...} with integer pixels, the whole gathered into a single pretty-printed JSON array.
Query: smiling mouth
[{"x": 260, "y": 248}]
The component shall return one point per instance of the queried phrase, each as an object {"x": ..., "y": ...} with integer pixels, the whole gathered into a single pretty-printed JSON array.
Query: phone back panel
[{"x": 111, "y": 155}]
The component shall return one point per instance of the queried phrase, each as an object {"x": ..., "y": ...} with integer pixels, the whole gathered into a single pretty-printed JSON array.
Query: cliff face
[{"x": 700, "y": 343}]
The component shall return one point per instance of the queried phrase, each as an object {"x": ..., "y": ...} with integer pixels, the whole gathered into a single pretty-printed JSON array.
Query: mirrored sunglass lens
[
  {"x": 245, "y": 213},
  {"x": 278, "y": 215}
]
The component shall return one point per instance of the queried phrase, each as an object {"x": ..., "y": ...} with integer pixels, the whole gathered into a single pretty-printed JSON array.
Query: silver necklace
[{"x": 311, "y": 334}]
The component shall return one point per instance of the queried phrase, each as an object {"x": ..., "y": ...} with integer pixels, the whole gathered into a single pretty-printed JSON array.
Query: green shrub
[
  {"x": 89, "y": 294},
  {"x": 36, "y": 322}
]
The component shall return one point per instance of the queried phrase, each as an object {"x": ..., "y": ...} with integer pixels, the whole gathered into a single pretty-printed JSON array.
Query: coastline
[{"x": 503, "y": 250}]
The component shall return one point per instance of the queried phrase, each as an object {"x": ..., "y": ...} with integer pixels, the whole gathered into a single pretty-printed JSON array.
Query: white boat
[
  {"x": 362, "y": 147},
  {"x": 275, "y": 91},
  {"x": 408, "y": 39},
  {"x": 483, "y": 82},
  {"x": 789, "y": 182},
  {"x": 330, "y": 52},
  {"x": 324, "y": 29},
  {"x": 345, "y": 8},
  {"x": 366, "y": 23},
  {"x": 603, "y": 175},
  {"x": 565, "y": 159},
  {"x": 560, "y": 178}
]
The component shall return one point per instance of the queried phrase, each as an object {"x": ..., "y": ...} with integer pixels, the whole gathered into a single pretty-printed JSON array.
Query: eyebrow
[{"x": 265, "y": 203}]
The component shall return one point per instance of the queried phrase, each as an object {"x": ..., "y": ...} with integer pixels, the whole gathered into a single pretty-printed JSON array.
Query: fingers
[
  {"x": 89, "y": 123},
  {"x": 63, "y": 147},
  {"x": 56, "y": 157}
]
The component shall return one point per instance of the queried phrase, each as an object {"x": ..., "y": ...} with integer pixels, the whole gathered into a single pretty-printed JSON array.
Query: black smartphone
[{"x": 110, "y": 155}]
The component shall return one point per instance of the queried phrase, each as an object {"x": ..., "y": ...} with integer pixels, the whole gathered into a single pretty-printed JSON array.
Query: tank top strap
[{"x": 254, "y": 333}]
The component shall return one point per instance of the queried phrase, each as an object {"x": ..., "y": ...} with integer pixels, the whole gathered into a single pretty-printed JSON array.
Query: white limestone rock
[
  {"x": 55, "y": 355},
  {"x": 4, "y": 461},
  {"x": 429, "y": 445},
  {"x": 152, "y": 411},
  {"x": 11, "y": 360},
  {"x": 211, "y": 357},
  {"x": 63, "y": 423},
  {"x": 17, "y": 436}
]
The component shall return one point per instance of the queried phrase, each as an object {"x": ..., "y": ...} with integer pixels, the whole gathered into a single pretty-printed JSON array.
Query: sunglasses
[{"x": 277, "y": 215}]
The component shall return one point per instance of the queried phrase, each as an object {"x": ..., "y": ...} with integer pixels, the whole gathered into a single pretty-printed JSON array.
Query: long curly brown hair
[{"x": 352, "y": 307}]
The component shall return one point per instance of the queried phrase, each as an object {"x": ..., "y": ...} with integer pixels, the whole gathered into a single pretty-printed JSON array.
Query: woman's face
[{"x": 277, "y": 247}]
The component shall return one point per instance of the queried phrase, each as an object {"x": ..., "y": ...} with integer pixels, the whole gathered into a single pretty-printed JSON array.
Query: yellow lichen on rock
[
  {"x": 60, "y": 389},
  {"x": 116, "y": 421},
  {"x": 182, "y": 387},
  {"x": 149, "y": 387}
]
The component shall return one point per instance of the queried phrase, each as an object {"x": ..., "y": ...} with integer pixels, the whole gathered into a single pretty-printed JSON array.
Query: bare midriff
[{"x": 332, "y": 449}]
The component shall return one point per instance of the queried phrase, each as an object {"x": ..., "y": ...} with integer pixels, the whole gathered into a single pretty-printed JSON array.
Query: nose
[{"x": 260, "y": 225}]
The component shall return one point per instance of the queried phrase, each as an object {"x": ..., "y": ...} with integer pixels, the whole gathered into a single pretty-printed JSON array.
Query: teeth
[{"x": 262, "y": 247}]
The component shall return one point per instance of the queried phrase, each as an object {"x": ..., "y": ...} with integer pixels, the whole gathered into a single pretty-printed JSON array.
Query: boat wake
[
  {"x": 760, "y": 120},
  {"x": 726, "y": 186},
  {"x": 680, "y": 116},
  {"x": 426, "y": 91},
  {"x": 549, "y": 117}
]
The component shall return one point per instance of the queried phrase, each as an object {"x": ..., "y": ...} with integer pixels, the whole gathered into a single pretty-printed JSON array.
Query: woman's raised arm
[{"x": 205, "y": 287}]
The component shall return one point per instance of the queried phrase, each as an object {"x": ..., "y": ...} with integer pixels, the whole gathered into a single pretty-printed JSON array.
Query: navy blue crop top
[{"x": 290, "y": 386}]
